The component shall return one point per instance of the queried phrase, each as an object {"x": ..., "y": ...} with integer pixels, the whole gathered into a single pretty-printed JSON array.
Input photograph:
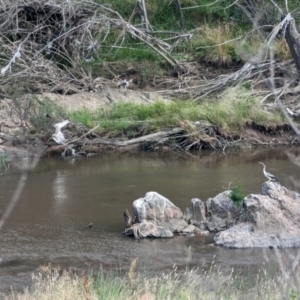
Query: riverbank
[
  {"x": 127, "y": 120},
  {"x": 215, "y": 85},
  {"x": 54, "y": 283}
]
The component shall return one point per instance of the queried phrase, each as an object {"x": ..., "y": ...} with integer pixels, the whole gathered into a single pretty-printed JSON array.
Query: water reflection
[
  {"x": 59, "y": 189},
  {"x": 60, "y": 199}
]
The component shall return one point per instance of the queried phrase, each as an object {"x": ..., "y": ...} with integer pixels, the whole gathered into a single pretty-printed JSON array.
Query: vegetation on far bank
[
  {"x": 229, "y": 114},
  {"x": 53, "y": 283},
  {"x": 226, "y": 117},
  {"x": 218, "y": 34}
]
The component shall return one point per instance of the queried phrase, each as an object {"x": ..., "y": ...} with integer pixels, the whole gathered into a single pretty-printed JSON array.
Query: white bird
[
  {"x": 58, "y": 136},
  {"x": 269, "y": 175}
]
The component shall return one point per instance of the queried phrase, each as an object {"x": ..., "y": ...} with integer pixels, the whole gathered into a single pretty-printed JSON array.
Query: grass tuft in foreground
[{"x": 52, "y": 283}]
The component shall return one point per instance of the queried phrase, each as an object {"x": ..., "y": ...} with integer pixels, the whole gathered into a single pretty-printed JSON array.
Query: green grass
[
  {"x": 235, "y": 108},
  {"x": 229, "y": 113},
  {"x": 237, "y": 195},
  {"x": 129, "y": 52},
  {"x": 164, "y": 14},
  {"x": 83, "y": 116},
  {"x": 131, "y": 55}
]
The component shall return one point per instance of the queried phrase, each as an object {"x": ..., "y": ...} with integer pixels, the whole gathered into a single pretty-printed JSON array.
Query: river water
[{"x": 62, "y": 197}]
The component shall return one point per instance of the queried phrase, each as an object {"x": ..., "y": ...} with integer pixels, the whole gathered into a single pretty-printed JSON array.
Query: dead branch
[
  {"x": 253, "y": 69},
  {"x": 154, "y": 138},
  {"x": 43, "y": 43}
]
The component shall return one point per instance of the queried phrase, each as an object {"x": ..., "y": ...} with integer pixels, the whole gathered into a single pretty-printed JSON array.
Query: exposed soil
[{"x": 105, "y": 98}]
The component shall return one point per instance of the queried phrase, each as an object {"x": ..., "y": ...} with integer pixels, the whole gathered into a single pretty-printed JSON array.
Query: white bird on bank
[
  {"x": 269, "y": 175},
  {"x": 58, "y": 136}
]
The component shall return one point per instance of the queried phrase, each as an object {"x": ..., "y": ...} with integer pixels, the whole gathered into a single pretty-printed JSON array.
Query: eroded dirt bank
[{"x": 16, "y": 132}]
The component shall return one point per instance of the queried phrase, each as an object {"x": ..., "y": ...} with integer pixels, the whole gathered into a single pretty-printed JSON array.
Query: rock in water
[
  {"x": 221, "y": 212},
  {"x": 155, "y": 216},
  {"x": 198, "y": 210},
  {"x": 270, "y": 219}
]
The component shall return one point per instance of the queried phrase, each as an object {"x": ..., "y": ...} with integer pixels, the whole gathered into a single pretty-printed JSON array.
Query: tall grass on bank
[
  {"x": 52, "y": 283},
  {"x": 229, "y": 113},
  {"x": 165, "y": 14},
  {"x": 227, "y": 44},
  {"x": 216, "y": 44}
]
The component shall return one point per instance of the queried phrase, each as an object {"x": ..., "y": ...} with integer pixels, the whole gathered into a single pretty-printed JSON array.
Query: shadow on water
[{"x": 62, "y": 197}]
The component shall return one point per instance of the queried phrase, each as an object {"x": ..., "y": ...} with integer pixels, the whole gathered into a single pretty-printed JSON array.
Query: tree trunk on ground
[{"x": 293, "y": 39}]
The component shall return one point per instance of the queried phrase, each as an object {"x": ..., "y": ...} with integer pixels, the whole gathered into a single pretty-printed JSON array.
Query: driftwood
[{"x": 158, "y": 137}]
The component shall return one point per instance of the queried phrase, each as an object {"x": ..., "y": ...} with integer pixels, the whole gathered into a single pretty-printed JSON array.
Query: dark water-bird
[{"x": 269, "y": 175}]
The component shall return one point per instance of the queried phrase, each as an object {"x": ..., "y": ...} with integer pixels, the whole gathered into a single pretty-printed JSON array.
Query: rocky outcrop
[
  {"x": 270, "y": 219},
  {"x": 155, "y": 216}
]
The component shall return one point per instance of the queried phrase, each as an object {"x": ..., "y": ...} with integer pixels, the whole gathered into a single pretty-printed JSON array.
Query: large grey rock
[
  {"x": 156, "y": 216},
  {"x": 221, "y": 212},
  {"x": 271, "y": 219}
]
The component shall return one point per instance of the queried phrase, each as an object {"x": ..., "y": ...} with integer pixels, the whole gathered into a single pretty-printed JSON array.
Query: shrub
[
  {"x": 215, "y": 45},
  {"x": 237, "y": 195}
]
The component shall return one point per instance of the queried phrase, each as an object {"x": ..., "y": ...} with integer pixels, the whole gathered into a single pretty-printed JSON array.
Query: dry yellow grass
[
  {"x": 54, "y": 284},
  {"x": 282, "y": 50},
  {"x": 216, "y": 45}
]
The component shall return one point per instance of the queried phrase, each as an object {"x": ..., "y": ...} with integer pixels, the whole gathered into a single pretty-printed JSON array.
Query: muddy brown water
[{"x": 62, "y": 197}]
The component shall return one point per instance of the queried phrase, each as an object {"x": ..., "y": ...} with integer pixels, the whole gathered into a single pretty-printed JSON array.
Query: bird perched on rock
[
  {"x": 58, "y": 136},
  {"x": 269, "y": 175}
]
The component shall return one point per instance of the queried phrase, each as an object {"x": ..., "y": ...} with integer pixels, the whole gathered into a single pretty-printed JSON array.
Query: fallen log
[{"x": 158, "y": 137}]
